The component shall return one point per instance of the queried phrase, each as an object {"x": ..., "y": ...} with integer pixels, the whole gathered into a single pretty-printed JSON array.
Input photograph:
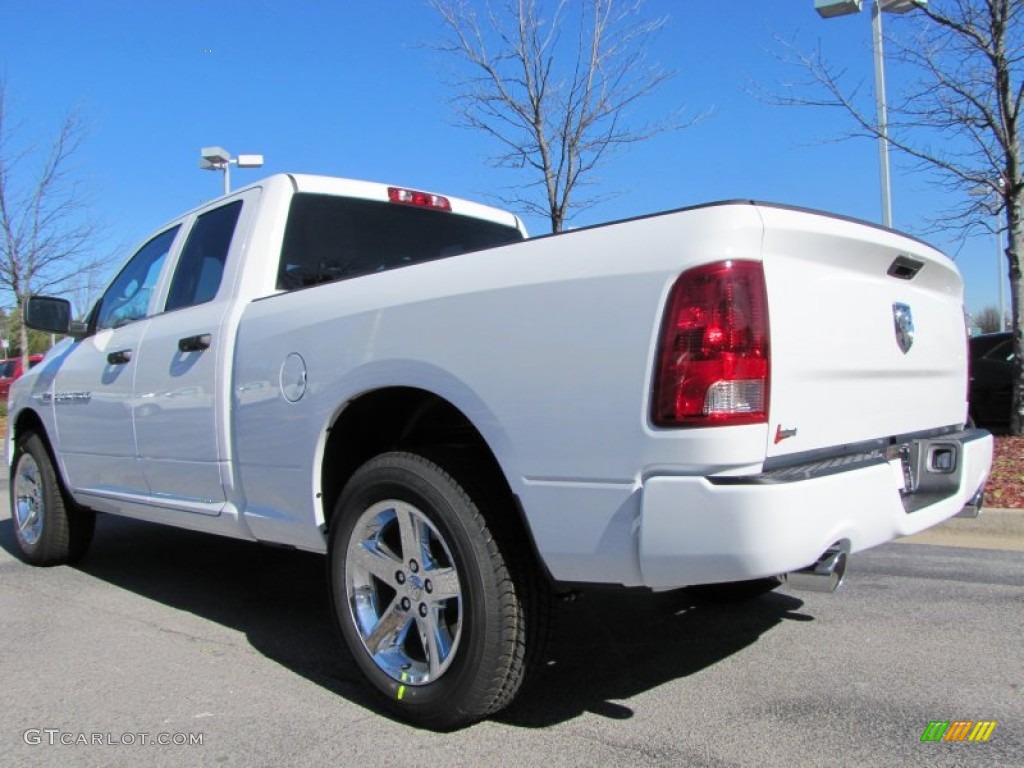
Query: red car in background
[{"x": 11, "y": 369}]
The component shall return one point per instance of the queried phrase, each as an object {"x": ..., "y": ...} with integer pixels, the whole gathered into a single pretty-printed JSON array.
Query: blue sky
[{"x": 348, "y": 88}]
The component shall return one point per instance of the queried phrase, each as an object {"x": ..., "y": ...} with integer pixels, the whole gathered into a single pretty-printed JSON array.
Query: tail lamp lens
[
  {"x": 713, "y": 366},
  {"x": 418, "y": 199}
]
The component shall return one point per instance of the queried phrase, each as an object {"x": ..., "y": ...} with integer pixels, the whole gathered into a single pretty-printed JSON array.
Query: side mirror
[{"x": 45, "y": 313}]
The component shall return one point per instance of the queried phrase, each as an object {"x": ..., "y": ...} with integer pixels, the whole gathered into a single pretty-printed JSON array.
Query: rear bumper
[{"x": 695, "y": 531}]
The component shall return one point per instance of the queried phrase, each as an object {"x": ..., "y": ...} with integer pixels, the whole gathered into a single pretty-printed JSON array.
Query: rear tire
[
  {"x": 49, "y": 527},
  {"x": 422, "y": 594}
]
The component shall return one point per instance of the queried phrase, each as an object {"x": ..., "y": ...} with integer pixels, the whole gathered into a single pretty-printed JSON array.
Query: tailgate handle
[
  {"x": 195, "y": 343},
  {"x": 120, "y": 357},
  {"x": 905, "y": 268}
]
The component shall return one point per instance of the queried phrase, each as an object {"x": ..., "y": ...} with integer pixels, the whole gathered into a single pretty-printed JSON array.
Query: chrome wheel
[
  {"x": 28, "y": 500},
  {"x": 404, "y": 593},
  {"x": 50, "y": 529},
  {"x": 420, "y": 591}
]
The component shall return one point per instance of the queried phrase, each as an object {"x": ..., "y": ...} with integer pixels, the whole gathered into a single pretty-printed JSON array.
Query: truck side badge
[
  {"x": 903, "y": 319},
  {"x": 783, "y": 434}
]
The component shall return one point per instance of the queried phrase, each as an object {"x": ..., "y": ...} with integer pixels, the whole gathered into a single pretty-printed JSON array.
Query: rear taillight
[{"x": 713, "y": 361}]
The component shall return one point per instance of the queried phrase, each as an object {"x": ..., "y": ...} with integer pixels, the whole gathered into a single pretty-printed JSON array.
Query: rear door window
[{"x": 201, "y": 266}]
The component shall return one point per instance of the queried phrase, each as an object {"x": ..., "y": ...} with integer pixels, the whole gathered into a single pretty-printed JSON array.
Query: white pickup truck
[{"x": 463, "y": 419}]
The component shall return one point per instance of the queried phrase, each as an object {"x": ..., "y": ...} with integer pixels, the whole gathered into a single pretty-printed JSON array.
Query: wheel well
[
  {"x": 29, "y": 421},
  {"x": 398, "y": 419},
  {"x": 413, "y": 420}
]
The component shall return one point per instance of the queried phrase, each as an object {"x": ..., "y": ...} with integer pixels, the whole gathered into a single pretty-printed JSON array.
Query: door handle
[
  {"x": 195, "y": 343},
  {"x": 120, "y": 357}
]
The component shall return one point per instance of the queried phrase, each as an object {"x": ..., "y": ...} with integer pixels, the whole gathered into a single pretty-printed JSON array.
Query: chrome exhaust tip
[
  {"x": 824, "y": 576},
  {"x": 973, "y": 507}
]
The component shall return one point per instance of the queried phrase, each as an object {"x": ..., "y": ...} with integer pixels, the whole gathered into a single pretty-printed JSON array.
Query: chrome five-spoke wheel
[
  {"x": 403, "y": 591},
  {"x": 432, "y": 615},
  {"x": 28, "y": 501},
  {"x": 49, "y": 528}
]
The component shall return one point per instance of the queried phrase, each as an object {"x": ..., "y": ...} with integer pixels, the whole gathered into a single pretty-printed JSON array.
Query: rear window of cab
[{"x": 331, "y": 238}]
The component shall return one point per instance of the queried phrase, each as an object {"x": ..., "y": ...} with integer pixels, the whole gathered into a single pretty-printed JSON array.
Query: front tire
[
  {"x": 49, "y": 528},
  {"x": 422, "y": 595}
]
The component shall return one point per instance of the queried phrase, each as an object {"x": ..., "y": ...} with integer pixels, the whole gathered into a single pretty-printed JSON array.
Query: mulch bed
[{"x": 1006, "y": 483}]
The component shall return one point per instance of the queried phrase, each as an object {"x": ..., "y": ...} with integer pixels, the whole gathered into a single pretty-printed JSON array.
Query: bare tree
[
  {"x": 45, "y": 233},
  {"x": 553, "y": 83},
  {"x": 959, "y": 118},
  {"x": 85, "y": 287},
  {"x": 987, "y": 321}
]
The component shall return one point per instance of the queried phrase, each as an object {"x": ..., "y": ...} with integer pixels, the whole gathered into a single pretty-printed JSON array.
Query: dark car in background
[
  {"x": 11, "y": 370},
  {"x": 991, "y": 379}
]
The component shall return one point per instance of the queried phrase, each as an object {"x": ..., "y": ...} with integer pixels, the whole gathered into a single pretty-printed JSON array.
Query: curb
[{"x": 995, "y": 528}]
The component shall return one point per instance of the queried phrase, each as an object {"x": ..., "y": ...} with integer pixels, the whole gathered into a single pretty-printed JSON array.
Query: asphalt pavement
[{"x": 167, "y": 635}]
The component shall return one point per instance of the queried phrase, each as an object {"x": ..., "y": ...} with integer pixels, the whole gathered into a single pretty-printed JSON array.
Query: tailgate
[{"x": 867, "y": 333}]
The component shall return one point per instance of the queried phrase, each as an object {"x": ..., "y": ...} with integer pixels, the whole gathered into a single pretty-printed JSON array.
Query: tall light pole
[
  {"x": 1000, "y": 273},
  {"x": 219, "y": 159},
  {"x": 882, "y": 112},
  {"x": 828, "y": 9},
  {"x": 1000, "y": 257},
  {"x": 993, "y": 205}
]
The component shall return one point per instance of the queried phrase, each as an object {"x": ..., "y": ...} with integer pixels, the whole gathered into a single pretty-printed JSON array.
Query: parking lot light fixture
[
  {"x": 828, "y": 9},
  {"x": 219, "y": 159}
]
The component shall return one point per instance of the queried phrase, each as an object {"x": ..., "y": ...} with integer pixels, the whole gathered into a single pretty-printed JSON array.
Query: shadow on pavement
[
  {"x": 610, "y": 646},
  {"x": 604, "y": 648},
  {"x": 276, "y": 597}
]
